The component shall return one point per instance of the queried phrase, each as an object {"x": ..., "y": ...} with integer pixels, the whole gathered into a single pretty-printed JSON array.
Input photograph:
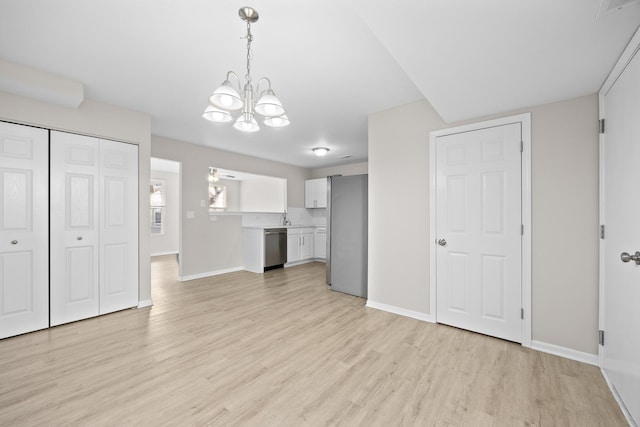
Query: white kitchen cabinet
[
  {"x": 300, "y": 244},
  {"x": 24, "y": 223},
  {"x": 320, "y": 240},
  {"x": 94, "y": 227},
  {"x": 293, "y": 246},
  {"x": 306, "y": 244},
  {"x": 315, "y": 193}
]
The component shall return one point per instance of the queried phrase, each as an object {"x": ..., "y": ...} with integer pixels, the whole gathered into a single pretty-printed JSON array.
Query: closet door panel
[
  {"x": 74, "y": 227},
  {"x": 24, "y": 280},
  {"x": 119, "y": 226}
]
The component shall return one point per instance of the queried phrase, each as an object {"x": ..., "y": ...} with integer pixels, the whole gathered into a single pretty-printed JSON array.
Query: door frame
[
  {"x": 627, "y": 55},
  {"x": 525, "y": 121}
]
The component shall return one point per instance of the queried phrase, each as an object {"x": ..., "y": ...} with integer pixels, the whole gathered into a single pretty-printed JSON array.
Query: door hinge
[
  {"x": 522, "y": 313},
  {"x": 602, "y": 231},
  {"x": 521, "y": 146},
  {"x": 601, "y": 123},
  {"x": 601, "y": 337}
]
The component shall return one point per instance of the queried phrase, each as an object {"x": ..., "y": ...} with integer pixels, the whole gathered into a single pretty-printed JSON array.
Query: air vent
[{"x": 611, "y": 6}]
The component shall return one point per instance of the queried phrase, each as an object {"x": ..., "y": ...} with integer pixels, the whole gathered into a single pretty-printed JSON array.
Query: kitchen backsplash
[{"x": 297, "y": 216}]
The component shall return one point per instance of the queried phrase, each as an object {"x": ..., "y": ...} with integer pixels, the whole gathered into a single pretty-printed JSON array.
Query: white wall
[
  {"x": 104, "y": 121},
  {"x": 213, "y": 243},
  {"x": 168, "y": 241},
  {"x": 350, "y": 169},
  {"x": 263, "y": 194},
  {"x": 564, "y": 215}
]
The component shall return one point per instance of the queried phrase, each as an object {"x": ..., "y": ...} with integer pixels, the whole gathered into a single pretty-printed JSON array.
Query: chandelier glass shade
[{"x": 227, "y": 99}]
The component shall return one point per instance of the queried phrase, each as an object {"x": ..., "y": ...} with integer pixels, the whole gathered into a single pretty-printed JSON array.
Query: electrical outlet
[
  {"x": 191, "y": 214},
  {"x": 202, "y": 205}
]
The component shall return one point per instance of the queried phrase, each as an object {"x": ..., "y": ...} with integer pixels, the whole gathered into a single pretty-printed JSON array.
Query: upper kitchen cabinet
[
  {"x": 238, "y": 192},
  {"x": 315, "y": 193}
]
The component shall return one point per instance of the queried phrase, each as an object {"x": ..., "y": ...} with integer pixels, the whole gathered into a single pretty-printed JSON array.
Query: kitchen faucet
[{"x": 285, "y": 221}]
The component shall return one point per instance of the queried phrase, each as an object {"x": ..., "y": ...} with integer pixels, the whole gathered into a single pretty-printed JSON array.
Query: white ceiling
[{"x": 331, "y": 62}]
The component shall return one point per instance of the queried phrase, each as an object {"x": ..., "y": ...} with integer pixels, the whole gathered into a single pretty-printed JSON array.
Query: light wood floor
[{"x": 280, "y": 349}]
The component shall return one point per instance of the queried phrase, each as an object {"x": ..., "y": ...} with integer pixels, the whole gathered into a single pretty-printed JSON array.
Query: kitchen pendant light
[{"x": 226, "y": 98}]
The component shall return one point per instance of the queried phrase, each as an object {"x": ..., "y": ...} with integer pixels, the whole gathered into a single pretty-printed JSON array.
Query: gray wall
[
  {"x": 564, "y": 215},
  {"x": 104, "y": 121},
  {"x": 168, "y": 242},
  {"x": 213, "y": 243}
]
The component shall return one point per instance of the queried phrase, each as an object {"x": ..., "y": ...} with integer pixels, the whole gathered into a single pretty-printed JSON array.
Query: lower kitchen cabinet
[
  {"x": 300, "y": 244},
  {"x": 320, "y": 240}
]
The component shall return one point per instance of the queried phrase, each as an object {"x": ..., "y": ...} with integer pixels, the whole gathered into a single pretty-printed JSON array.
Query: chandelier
[{"x": 227, "y": 99}]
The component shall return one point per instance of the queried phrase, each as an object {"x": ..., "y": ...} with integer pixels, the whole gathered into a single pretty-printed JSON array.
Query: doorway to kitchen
[{"x": 480, "y": 227}]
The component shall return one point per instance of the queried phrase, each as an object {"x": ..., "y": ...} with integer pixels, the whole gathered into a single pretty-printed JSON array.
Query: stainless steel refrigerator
[{"x": 347, "y": 213}]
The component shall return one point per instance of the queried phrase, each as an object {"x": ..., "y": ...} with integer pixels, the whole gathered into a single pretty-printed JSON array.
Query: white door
[
  {"x": 621, "y": 199},
  {"x": 478, "y": 223},
  {"x": 118, "y": 226},
  {"x": 74, "y": 227},
  {"x": 24, "y": 255}
]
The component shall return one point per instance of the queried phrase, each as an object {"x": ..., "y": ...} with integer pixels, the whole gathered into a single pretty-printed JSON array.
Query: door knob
[
  {"x": 442, "y": 242},
  {"x": 79, "y": 237},
  {"x": 626, "y": 257},
  {"x": 14, "y": 242}
]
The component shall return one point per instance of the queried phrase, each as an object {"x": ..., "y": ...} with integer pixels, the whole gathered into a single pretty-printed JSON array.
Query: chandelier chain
[{"x": 249, "y": 40}]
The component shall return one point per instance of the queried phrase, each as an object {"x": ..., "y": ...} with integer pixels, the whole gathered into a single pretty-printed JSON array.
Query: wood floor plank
[{"x": 281, "y": 349}]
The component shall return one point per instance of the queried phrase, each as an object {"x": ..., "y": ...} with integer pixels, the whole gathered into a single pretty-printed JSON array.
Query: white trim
[
  {"x": 618, "y": 399},
  {"x": 302, "y": 261},
  {"x": 624, "y": 60},
  {"x": 401, "y": 311},
  {"x": 164, "y": 253},
  {"x": 601, "y": 221},
  {"x": 145, "y": 303},
  {"x": 525, "y": 121},
  {"x": 567, "y": 353},
  {"x": 209, "y": 274}
]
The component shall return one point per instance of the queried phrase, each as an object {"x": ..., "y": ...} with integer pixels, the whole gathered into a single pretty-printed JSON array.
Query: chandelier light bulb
[
  {"x": 246, "y": 123},
  {"x": 216, "y": 115},
  {"x": 278, "y": 121}
]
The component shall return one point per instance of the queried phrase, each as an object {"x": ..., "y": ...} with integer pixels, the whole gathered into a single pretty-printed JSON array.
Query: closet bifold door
[
  {"x": 75, "y": 176},
  {"x": 24, "y": 256},
  {"x": 94, "y": 227},
  {"x": 118, "y": 226}
]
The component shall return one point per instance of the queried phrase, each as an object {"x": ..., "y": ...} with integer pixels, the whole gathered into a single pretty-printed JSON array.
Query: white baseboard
[
  {"x": 209, "y": 274},
  {"x": 145, "y": 303},
  {"x": 304, "y": 261},
  {"x": 567, "y": 353},
  {"x": 164, "y": 253},
  {"x": 616, "y": 396},
  {"x": 401, "y": 311}
]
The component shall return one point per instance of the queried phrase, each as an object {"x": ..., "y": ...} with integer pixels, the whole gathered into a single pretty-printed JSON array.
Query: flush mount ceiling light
[
  {"x": 320, "y": 151},
  {"x": 226, "y": 98}
]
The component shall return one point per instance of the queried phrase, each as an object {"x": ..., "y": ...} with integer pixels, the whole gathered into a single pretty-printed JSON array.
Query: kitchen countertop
[{"x": 262, "y": 227}]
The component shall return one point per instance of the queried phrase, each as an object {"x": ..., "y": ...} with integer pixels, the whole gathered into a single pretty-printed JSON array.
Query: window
[{"x": 157, "y": 202}]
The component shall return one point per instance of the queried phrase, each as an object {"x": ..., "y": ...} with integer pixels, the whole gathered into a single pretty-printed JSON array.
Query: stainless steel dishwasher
[{"x": 275, "y": 248}]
